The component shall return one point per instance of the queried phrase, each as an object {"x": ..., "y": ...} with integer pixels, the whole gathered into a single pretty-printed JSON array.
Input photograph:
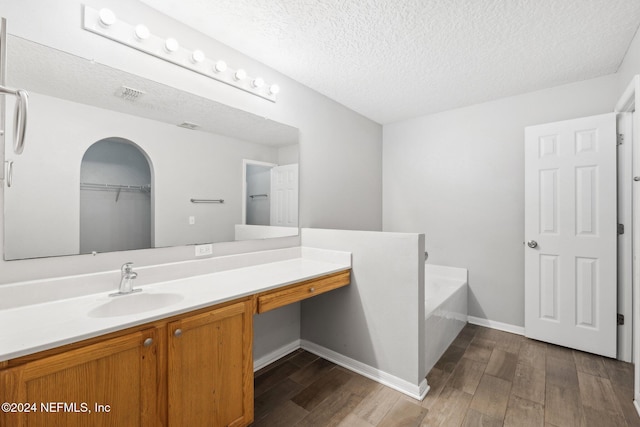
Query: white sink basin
[{"x": 124, "y": 305}]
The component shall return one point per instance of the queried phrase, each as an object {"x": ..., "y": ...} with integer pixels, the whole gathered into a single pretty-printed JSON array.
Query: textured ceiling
[{"x": 395, "y": 59}]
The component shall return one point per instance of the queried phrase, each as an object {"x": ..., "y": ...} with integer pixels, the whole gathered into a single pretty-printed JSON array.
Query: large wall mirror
[{"x": 113, "y": 161}]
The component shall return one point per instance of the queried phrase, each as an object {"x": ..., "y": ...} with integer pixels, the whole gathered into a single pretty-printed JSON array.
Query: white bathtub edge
[
  {"x": 417, "y": 392},
  {"x": 506, "y": 327}
]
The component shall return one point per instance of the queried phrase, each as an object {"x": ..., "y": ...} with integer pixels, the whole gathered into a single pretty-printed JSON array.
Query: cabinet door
[
  {"x": 210, "y": 363},
  {"x": 111, "y": 383}
]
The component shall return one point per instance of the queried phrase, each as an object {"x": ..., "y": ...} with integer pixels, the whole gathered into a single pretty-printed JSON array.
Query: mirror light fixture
[
  {"x": 220, "y": 66},
  {"x": 142, "y": 32},
  {"x": 197, "y": 56},
  {"x": 107, "y": 17},
  {"x": 240, "y": 74},
  {"x": 105, "y": 23}
]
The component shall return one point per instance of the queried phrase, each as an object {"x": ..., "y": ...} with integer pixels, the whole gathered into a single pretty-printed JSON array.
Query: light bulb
[
  {"x": 142, "y": 32},
  {"x": 197, "y": 56},
  {"x": 107, "y": 17},
  {"x": 240, "y": 74},
  {"x": 171, "y": 45},
  {"x": 220, "y": 66},
  {"x": 257, "y": 82},
  {"x": 274, "y": 89}
]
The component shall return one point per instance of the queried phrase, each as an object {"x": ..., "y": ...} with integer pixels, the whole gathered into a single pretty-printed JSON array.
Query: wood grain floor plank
[
  {"x": 404, "y": 414},
  {"x": 437, "y": 378},
  {"x": 480, "y": 349},
  {"x": 560, "y": 352},
  {"x": 529, "y": 383},
  {"x": 450, "y": 358},
  {"x": 502, "y": 364},
  {"x": 352, "y": 420},
  {"x": 620, "y": 373},
  {"x": 523, "y": 413},
  {"x": 273, "y": 397},
  {"x": 595, "y": 418},
  {"x": 449, "y": 410},
  {"x": 562, "y": 406},
  {"x": 561, "y": 372},
  {"x": 324, "y": 387},
  {"x": 492, "y": 396},
  {"x": 590, "y": 364},
  {"x": 625, "y": 399},
  {"x": 466, "y": 376},
  {"x": 303, "y": 358},
  {"x": 474, "y": 418},
  {"x": 597, "y": 393},
  {"x": 272, "y": 377},
  {"x": 284, "y": 414},
  {"x": 533, "y": 353},
  {"x": 332, "y": 410},
  {"x": 376, "y": 406},
  {"x": 312, "y": 372}
]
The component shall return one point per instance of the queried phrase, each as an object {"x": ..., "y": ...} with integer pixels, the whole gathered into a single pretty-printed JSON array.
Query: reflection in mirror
[
  {"x": 115, "y": 197},
  {"x": 270, "y": 202},
  {"x": 123, "y": 156}
]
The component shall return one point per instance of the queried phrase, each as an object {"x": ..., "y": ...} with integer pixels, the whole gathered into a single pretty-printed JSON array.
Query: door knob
[{"x": 532, "y": 244}]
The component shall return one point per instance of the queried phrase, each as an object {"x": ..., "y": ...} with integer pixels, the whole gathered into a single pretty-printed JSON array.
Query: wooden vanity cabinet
[
  {"x": 210, "y": 368},
  {"x": 109, "y": 383},
  {"x": 195, "y": 369}
]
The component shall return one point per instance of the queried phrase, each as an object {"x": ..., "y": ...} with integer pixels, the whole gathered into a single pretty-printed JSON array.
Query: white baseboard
[
  {"x": 496, "y": 325},
  {"x": 637, "y": 406},
  {"x": 415, "y": 391},
  {"x": 276, "y": 354}
]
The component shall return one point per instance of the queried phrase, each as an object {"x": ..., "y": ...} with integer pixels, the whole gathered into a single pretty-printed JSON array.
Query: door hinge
[
  {"x": 620, "y": 319},
  {"x": 620, "y": 139},
  {"x": 620, "y": 228}
]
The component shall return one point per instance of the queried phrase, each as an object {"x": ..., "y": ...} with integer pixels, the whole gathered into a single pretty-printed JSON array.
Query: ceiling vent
[
  {"x": 189, "y": 125},
  {"x": 129, "y": 93}
]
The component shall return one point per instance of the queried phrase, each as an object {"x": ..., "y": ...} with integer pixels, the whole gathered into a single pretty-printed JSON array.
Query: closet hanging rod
[
  {"x": 207, "y": 200},
  {"x": 259, "y": 195},
  {"x": 20, "y": 121},
  {"x": 96, "y": 186}
]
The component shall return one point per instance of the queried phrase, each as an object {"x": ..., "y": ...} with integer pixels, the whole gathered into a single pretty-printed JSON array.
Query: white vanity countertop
[{"x": 32, "y": 328}]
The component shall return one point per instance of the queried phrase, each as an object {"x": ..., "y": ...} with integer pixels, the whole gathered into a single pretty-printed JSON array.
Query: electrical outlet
[{"x": 202, "y": 250}]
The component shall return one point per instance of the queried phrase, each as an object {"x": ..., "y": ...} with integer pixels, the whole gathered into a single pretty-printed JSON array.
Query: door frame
[
  {"x": 627, "y": 104},
  {"x": 245, "y": 163}
]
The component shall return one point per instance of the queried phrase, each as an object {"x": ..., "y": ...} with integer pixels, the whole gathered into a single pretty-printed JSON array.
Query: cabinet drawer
[{"x": 307, "y": 289}]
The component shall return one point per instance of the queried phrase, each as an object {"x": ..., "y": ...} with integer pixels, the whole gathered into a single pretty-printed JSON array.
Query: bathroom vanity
[{"x": 189, "y": 363}]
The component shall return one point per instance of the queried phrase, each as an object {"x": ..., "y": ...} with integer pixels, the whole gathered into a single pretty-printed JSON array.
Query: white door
[
  {"x": 284, "y": 195},
  {"x": 571, "y": 233}
]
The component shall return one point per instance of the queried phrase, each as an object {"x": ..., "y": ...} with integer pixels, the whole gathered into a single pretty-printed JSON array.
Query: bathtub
[{"x": 445, "y": 308}]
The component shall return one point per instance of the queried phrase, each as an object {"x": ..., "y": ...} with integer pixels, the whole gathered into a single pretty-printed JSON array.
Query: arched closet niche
[{"x": 115, "y": 197}]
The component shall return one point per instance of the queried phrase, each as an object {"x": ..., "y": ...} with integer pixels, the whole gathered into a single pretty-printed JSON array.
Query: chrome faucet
[{"x": 126, "y": 280}]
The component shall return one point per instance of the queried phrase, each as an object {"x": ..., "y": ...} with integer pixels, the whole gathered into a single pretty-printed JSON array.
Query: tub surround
[
  {"x": 445, "y": 308},
  {"x": 46, "y": 321}
]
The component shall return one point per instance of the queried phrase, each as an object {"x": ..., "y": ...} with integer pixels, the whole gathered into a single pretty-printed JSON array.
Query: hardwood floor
[{"x": 485, "y": 378}]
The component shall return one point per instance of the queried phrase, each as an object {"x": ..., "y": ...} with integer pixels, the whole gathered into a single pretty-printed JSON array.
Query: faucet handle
[{"x": 127, "y": 268}]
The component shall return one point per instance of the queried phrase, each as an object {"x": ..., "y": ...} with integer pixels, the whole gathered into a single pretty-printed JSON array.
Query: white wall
[
  {"x": 378, "y": 320},
  {"x": 340, "y": 151},
  {"x": 457, "y": 177}
]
